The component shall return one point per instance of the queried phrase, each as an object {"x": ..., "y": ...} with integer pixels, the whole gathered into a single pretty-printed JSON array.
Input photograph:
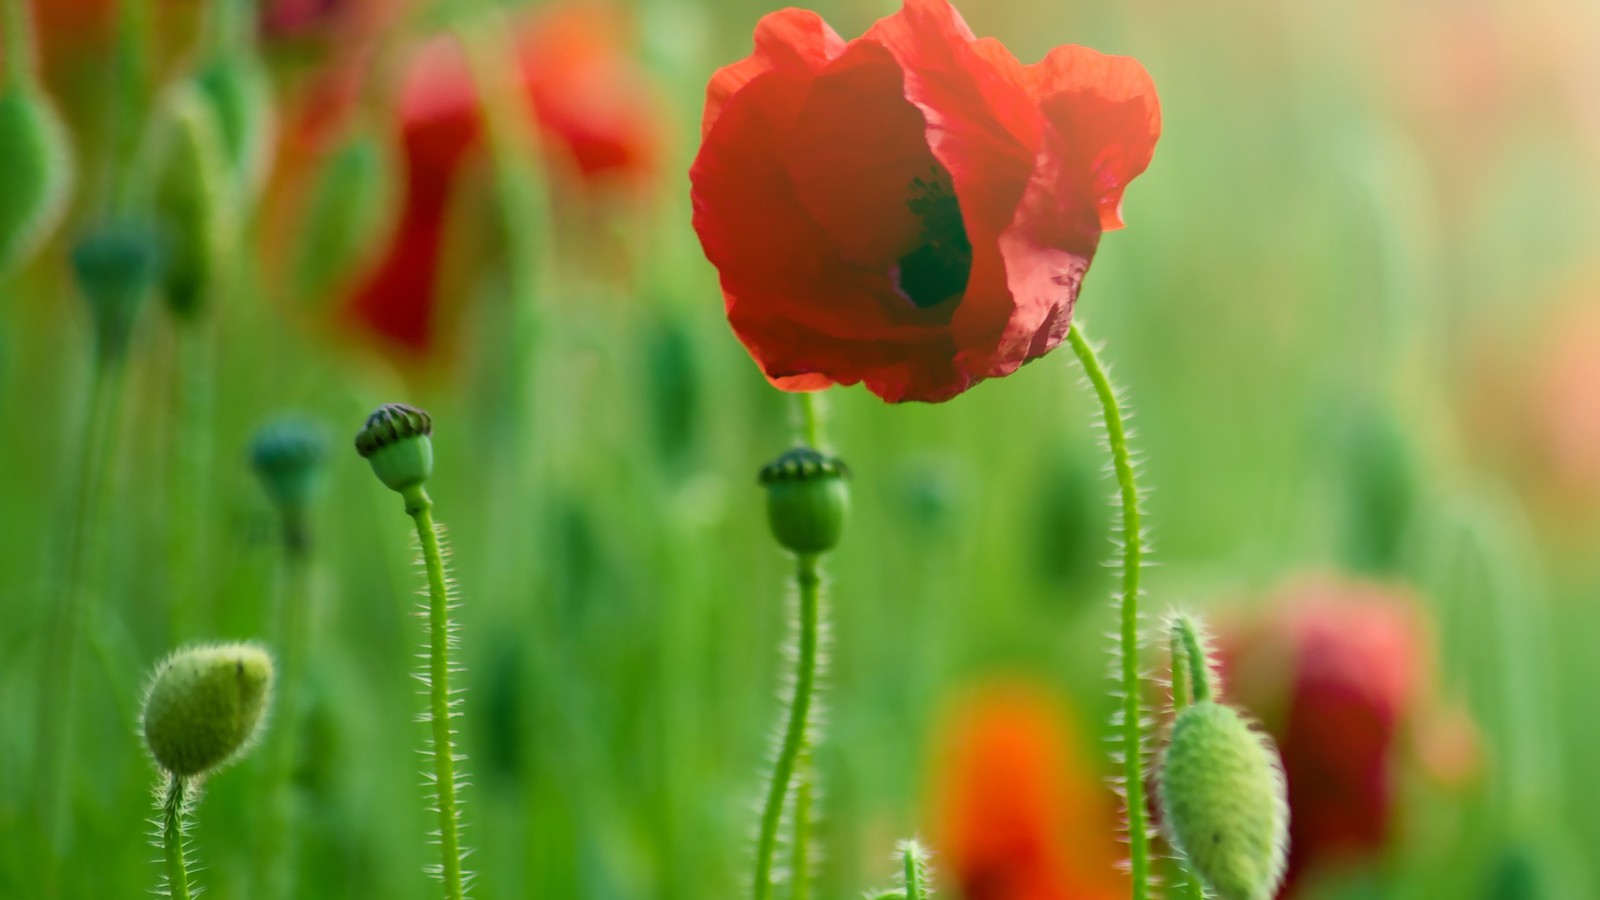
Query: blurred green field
[{"x": 1365, "y": 242}]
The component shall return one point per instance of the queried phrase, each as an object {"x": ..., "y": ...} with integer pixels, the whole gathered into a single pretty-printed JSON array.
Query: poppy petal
[{"x": 789, "y": 40}]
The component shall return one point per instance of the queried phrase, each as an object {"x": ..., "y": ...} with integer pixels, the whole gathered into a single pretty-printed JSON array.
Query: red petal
[{"x": 789, "y": 40}]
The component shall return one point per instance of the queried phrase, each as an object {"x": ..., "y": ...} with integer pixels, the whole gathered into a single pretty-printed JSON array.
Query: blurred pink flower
[{"x": 1339, "y": 673}]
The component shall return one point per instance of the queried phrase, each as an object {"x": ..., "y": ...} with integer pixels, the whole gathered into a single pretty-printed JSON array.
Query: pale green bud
[
  {"x": 205, "y": 705},
  {"x": 806, "y": 499},
  {"x": 1223, "y": 802}
]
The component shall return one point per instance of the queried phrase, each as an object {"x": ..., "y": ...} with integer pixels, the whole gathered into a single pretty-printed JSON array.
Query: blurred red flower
[
  {"x": 591, "y": 102},
  {"x": 1339, "y": 673},
  {"x": 1021, "y": 813},
  {"x": 914, "y": 210}
]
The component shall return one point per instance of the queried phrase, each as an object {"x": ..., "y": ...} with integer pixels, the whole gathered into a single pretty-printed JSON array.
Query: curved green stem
[
  {"x": 1185, "y": 650},
  {"x": 1132, "y": 723},
  {"x": 809, "y": 582},
  {"x": 174, "y": 805},
  {"x": 915, "y": 890},
  {"x": 420, "y": 508},
  {"x": 53, "y": 734},
  {"x": 800, "y": 845},
  {"x": 18, "y": 46}
]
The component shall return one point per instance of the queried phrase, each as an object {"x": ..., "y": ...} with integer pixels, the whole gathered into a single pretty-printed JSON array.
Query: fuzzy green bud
[
  {"x": 287, "y": 455},
  {"x": 115, "y": 266},
  {"x": 36, "y": 158},
  {"x": 1223, "y": 802},
  {"x": 396, "y": 442},
  {"x": 240, "y": 97},
  {"x": 205, "y": 705},
  {"x": 191, "y": 198},
  {"x": 806, "y": 499}
]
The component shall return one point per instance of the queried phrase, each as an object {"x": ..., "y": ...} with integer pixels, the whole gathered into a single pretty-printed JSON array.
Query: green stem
[
  {"x": 174, "y": 805},
  {"x": 420, "y": 508},
  {"x": 1185, "y": 649},
  {"x": 191, "y": 461},
  {"x": 53, "y": 747},
  {"x": 914, "y": 887},
  {"x": 810, "y": 404},
  {"x": 1132, "y": 724},
  {"x": 278, "y": 859},
  {"x": 800, "y": 848},
  {"x": 808, "y": 580},
  {"x": 18, "y": 46}
]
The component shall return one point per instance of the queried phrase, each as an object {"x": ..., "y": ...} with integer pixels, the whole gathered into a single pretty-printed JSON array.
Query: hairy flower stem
[
  {"x": 914, "y": 887},
  {"x": 420, "y": 508},
  {"x": 808, "y": 581},
  {"x": 53, "y": 734},
  {"x": 1132, "y": 560},
  {"x": 174, "y": 806},
  {"x": 800, "y": 841},
  {"x": 1187, "y": 658}
]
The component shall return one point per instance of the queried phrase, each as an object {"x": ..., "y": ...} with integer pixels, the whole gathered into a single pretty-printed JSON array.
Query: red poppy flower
[
  {"x": 1022, "y": 815},
  {"x": 914, "y": 209},
  {"x": 1339, "y": 674},
  {"x": 593, "y": 108}
]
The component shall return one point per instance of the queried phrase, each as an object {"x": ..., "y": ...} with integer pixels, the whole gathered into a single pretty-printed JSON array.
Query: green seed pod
[
  {"x": 115, "y": 266},
  {"x": 287, "y": 455},
  {"x": 239, "y": 95},
  {"x": 343, "y": 218},
  {"x": 205, "y": 705},
  {"x": 1223, "y": 802},
  {"x": 806, "y": 499},
  {"x": 191, "y": 199},
  {"x": 396, "y": 442},
  {"x": 36, "y": 158}
]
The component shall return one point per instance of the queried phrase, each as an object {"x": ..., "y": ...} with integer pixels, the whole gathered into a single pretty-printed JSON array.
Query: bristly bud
[
  {"x": 204, "y": 706},
  {"x": 806, "y": 499},
  {"x": 396, "y": 442},
  {"x": 287, "y": 455},
  {"x": 37, "y": 159},
  {"x": 1223, "y": 802},
  {"x": 115, "y": 266}
]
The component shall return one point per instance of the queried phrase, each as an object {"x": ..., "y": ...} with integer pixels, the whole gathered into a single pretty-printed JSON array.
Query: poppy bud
[
  {"x": 343, "y": 218},
  {"x": 806, "y": 499},
  {"x": 204, "y": 706},
  {"x": 240, "y": 99},
  {"x": 191, "y": 191},
  {"x": 37, "y": 160},
  {"x": 1223, "y": 802},
  {"x": 287, "y": 456},
  {"x": 396, "y": 442},
  {"x": 115, "y": 266}
]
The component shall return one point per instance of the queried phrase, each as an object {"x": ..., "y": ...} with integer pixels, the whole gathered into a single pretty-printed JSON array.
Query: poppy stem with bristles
[
  {"x": 808, "y": 581},
  {"x": 174, "y": 806},
  {"x": 420, "y": 508},
  {"x": 1132, "y": 724},
  {"x": 1188, "y": 667}
]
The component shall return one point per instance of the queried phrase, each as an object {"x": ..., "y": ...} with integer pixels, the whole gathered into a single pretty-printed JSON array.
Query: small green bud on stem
[
  {"x": 1223, "y": 797},
  {"x": 395, "y": 440},
  {"x": 115, "y": 266},
  {"x": 205, "y": 705},
  {"x": 806, "y": 499},
  {"x": 287, "y": 456}
]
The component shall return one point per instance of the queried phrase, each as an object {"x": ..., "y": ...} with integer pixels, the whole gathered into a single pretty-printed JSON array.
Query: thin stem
[
  {"x": 1183, "y": 653},
  {"x": 1132, "y": 560},
  {"x": 1184, "y": 633},
  {"x": 913, "y": 864},
  {"x": 18, "y": 46},
  {"x": 278, "y": 859},
  {"x": 191, "y": 466},
  {"x": 174, "y": 805},
  {"x": 53, "y": 748},
  {"x": 420, "y": 508},
  {"x": 809, "y": 582},
  {"x": 800, "y": 846},
  {"x": 810, "y": 403}
]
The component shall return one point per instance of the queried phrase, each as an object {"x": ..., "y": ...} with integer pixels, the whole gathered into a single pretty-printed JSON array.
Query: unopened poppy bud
[
  {"x": 115, "y": 266},
  {"x": 204, "y": 706},
  {"x": 287, "y": 456},
  {"x": 1223, "y": 802},
  {"x": 191, "y": 197},
  {"x": 396, "y": 442},
  {"x": 344, "y": 218},
  {"x": 37, "y": 161},
  {"x": 806, "y": 499},
  {"x": 240, "y": 96}
]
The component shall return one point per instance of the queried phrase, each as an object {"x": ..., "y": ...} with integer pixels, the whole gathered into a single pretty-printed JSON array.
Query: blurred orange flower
[
  {"x": 1022, "y": 813},
  {"x": 1339, "y": 672}
]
